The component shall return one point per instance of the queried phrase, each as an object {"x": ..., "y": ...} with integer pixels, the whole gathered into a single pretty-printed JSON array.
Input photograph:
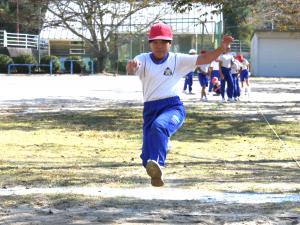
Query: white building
[{"x": 275, "y": 54}]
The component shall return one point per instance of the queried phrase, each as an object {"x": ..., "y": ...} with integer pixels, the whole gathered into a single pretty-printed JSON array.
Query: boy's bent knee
[{"x": 158, "y": 127}]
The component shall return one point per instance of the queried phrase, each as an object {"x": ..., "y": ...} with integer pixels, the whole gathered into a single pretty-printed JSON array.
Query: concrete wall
[{"x": 275, "y": 54}]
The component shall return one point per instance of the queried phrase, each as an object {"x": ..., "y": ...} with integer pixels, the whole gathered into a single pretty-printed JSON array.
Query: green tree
[
  {"x": 242, "y": 16},
  {"x": 6, "y": 15},
  {"x": 23, "y": 16},
  {"x": 279, "y": 15},
  {"x": 236, "y": 16},
  {"x": 235, "y": 13}
]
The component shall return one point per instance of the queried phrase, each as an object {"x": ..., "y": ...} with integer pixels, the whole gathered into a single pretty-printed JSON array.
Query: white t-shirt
[
  {"x": 215, "y": 65},
  {"x": 204, "y": 67},
  {"x": 245, "y": 64},
  {"x": 226, "y": 60},
  {"x": 160, "y": 81},
  {"x": 235, "y": 67}
]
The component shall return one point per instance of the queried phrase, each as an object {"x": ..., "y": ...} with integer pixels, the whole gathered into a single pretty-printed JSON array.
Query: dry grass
[{"x": 212, "y": 151}]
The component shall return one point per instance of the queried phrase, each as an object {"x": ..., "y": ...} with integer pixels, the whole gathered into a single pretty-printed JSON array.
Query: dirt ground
[
  {"x": 276, "y": 97},
  {"x": 122, "y": 210}
]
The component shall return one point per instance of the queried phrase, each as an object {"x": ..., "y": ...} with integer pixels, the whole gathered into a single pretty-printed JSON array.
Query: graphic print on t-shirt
[{"x": 168, "y": 72}]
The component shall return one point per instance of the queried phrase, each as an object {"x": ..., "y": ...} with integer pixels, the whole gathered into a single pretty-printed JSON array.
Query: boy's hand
[
  {"x": 132, "y": 66},
  {"x": 227, "y": 40}
]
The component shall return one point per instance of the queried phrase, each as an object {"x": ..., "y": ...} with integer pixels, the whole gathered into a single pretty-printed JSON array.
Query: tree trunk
[
  {"x": 101, "y": 62},
  {"x": 101, "y": 56}
]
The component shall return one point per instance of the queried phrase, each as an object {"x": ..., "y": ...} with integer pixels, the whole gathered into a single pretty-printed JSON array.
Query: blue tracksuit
[
  {"x": 203, "y": 79},
  {"x": 188, "y": 82},
  {"x": 244, "y": 75},
  {"x": 214, "y": 73},
  {"x": 228, "y": 80},
  {"x": 162, "y": 118},
  {"x": 236, "y": 85}
]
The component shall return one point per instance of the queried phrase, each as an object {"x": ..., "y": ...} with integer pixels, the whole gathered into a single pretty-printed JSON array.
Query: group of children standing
[{"x": 223, "y": 74}]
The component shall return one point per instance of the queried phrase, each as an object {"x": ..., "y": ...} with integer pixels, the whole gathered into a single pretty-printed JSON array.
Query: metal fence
[
  {"x": 19, "y": 40},
  {"x": 239, "y": 46}
]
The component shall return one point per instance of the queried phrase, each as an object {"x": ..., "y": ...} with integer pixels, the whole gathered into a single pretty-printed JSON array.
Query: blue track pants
[
  {"x": 188, "y": 82},
  {"x": 236, "y": 86},
  {"x": 227, "y": 79},
  {"x": 162, "y": 118}
]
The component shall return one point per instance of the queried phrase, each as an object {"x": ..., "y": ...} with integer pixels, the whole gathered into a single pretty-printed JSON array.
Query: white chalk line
[{"x": 152, "y": 193}]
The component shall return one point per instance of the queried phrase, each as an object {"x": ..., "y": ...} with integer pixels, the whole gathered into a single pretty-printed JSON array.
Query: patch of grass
[{"x": 211, "y": 151}]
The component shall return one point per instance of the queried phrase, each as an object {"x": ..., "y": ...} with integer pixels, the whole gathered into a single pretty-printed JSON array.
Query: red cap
[
  {"x": 203, "y": 52},
  {"x": 240, "y": 58},
  {"x": 160, "y": 31},
  {"x": 214, "y": 80}
]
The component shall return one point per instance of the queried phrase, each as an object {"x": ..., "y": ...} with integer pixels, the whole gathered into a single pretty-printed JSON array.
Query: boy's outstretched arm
[{"x": 210, "y": 56}]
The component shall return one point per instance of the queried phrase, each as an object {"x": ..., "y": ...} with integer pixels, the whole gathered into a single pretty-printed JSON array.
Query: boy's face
[{"x": 160, "y": 48}]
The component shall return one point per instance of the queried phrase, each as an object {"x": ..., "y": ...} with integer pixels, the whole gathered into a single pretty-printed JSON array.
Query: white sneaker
[
  {"x": 154, "y": 171},
  {"x": 230, "y": 100},
  {"x": 205, "y": 99}
]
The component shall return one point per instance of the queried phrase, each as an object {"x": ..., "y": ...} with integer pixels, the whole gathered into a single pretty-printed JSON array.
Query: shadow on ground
[{"x": 132, "y": 211}]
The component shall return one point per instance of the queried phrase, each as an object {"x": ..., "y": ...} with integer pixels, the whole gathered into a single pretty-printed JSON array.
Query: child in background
[
  {"x": 226, "y": 60},
  {"x": 203, "y": 78},
  {"x": 216, "y": 86},
  {"x": 244, "y": 74},
  {"x": 214, "y": 68},
  {"x": 235, "y": 71},
  {"x": 188, "y": 82}
]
